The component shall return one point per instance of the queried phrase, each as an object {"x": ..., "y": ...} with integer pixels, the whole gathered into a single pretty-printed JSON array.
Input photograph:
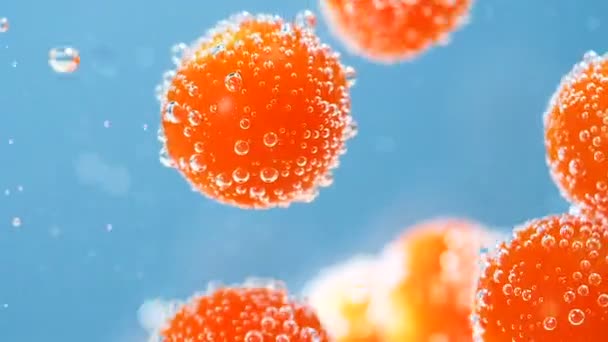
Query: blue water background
[{"x": 456, "y": 132}]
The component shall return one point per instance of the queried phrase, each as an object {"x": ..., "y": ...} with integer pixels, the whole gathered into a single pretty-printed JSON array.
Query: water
[{"x": 103, "y": 226}]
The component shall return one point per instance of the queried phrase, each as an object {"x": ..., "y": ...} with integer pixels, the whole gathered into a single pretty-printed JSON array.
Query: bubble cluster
[
  {"x": 431, "y": 273},
  {"x": 257, "y": 113},
  {"x": 342, "y": 295},
  {"x": 254, "y": 312},
  {"x": 549, "y": 283},
  {"x": 576, "y": 135},
  {"x": 390, "y": 31},
  {"x": 64, "y": 59}
]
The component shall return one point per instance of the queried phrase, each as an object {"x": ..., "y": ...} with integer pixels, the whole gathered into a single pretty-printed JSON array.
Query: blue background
[{"x": 455, "y": 132}]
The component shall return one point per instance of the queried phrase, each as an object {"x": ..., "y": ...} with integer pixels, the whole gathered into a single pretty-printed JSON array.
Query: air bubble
[
  {"x": 497, "y": 276},
  {"x": 593, "y": 244},
  {"x": 310, "y": 335},
  {"x": 195, "y": 118},
  {"x": 350, "y": 131},
  {"x": 301, "y": 161},
  {"x": 574, "y": 167},
  {"x": 599, "y": 156},
  {"x": 16, "y": 222},
  {"x": 241, "y": 147},
  {"x": 178, "y": 51},
  {"x": 4, "y": 25},
  {"x": 602, "y": 300},
  {"x": 583, "y": 290},
  {"x": 197, "y": 164},
  {"x": 269, "y": 175},
  {"x": 290, "y": 327},
  {"x": 594, "y": 279},
  {"x": 282, "y": 338},
  {"x": 271, "y": 139},
  {"x": 240, "y": 175},
  {"x": 576, "y": 317},
  {"x": 549, "y": 323},
  {"x": 548, "y": 241},
  {"x": 254, "y": 336},
  {"x": 350, "y": 74},
  {"x": 569, "y": 296},
  {"x": 233, "y": 82},
  {"x": 566, "y": 231},
  {"x": 268, "y": 324},
  {"x": 223, "y": 181},
  {"x": 244, "y": 123},
  {"x": 64, "y": 59},
  {"x": 326, "y": 180}
]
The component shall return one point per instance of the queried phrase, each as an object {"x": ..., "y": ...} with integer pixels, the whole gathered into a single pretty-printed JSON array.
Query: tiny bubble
[
  {"x": 4, "y": 25},
  {"x": 576, "y": 316},
  {"x": 550, "y": 323},
  {"x": 233, "y": 82},
  {"x": 64, "y": 59}
]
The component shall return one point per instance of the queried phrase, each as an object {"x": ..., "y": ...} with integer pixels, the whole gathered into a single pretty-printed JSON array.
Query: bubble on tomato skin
[
  {"x": 588, "y": 213},
  {"x": 178, "y": 52},
  {"x": 306, "y": 19},
  {"x": 602, "y": 300},
  {"x": 64, "y": 59},
  {"x": 233, "y": 82},
  {"x": 576, "y": 316},
  {"x": 270, "y": 139},
  {"x": 549, "y": 323}
]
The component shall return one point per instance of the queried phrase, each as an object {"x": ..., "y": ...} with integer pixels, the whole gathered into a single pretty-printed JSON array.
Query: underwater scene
[{"x": 304, "y": 171}]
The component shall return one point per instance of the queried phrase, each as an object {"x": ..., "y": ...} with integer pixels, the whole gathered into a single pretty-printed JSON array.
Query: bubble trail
[
  {"x": 391, "y": 31},
  {"x": 257, "y": 311},
  {"x": 576, "y": 135},
  {"x": 257, "y": 113},
  {"x": 547, "y": 284},
  {"x": 428, "y": 281}
]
